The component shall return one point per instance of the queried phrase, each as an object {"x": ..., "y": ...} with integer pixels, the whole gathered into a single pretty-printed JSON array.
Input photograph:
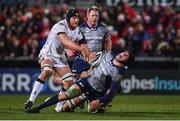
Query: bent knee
[
  {"x": 72, "y": 92},
  {"x": 57, "y": 80},
  {"x": 68, "y": 80}
]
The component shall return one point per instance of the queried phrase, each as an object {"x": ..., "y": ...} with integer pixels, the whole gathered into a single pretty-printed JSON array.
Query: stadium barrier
[{"x": 146, "y": 76}]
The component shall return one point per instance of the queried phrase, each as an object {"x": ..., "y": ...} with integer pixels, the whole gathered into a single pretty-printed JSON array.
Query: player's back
[{"x": 97, "y": 76}]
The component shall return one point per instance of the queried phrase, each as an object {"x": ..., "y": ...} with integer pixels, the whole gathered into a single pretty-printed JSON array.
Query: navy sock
[{"x": 53, "y": 100}]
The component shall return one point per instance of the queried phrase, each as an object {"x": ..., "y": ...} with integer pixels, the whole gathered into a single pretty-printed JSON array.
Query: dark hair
[
  {"x": 131, "y": 56},
  {"x": 117, "y": 49},
  {"x": 92, "y": 8},
  {"x": 72, "y": 12}
]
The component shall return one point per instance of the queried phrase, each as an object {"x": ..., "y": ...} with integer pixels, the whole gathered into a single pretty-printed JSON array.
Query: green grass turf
[{"x": 123, "y": 108}]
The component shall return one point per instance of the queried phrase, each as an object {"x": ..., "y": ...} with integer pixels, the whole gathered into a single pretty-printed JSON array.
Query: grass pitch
[{"x": 123, "y": 108}]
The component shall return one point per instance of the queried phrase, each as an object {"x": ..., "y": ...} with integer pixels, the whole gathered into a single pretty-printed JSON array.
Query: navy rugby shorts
[{"x": 86, "y": 88}]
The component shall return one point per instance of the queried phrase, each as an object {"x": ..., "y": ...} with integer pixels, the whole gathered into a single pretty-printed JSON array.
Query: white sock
[
  {"x": 59, "y": 105},
  {"x": 36, "y": 90}
]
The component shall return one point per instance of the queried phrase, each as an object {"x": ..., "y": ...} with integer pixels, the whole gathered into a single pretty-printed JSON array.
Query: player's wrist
[{"x": 81, "y": 49}]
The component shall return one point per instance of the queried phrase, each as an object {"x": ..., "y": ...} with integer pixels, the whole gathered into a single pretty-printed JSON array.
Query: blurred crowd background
[{"x": 153, "y": 31}]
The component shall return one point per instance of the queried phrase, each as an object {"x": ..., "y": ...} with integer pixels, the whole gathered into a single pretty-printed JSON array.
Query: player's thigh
[
  {"x": 46, "y": 69},
  {"x": 61, "y": 72}
]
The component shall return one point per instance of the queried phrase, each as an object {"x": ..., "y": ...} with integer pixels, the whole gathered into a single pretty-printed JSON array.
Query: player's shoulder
[
  {"x": 108, "y": 56},
  {"x": 78, "y": 30},
  {"x": 102, "y": 24},
  {"x": 83, "y": 25},
  {"x": 62, "y": 23},
  {"x": 102, "y": 27}
]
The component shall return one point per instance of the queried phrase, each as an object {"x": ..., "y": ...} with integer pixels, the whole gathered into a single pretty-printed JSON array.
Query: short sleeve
[{"x": 60, "y": 28}]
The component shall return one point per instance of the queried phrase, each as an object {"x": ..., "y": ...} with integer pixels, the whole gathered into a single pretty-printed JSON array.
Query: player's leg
[
  {"x": 57, "y": 79},
  {"x": 67, "y": 78},
  {"x": 63, "y": 75},
  {"x": 46, "y": 67},
  {"x": 70, "y": 105},
  {"x": 72, "y": 92}
]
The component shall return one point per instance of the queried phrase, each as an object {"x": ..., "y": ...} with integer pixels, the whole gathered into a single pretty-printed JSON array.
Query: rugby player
[
  {"x": 98, "y": 90},
  {"x": 52, "y": 58}
]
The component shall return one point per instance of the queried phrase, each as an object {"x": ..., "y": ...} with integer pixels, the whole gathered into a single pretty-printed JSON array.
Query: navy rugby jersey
[{"x": 95, "y": 36}]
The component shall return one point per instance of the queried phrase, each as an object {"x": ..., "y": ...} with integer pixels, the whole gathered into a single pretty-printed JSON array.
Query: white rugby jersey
[{"x": 53, "y": 47}]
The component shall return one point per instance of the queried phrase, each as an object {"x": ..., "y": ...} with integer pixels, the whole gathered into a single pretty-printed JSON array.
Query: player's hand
[
  {"x": 84, "y": 74},
  {"x": 95, "y": 104},
  {"x": 92, "y": 56}
]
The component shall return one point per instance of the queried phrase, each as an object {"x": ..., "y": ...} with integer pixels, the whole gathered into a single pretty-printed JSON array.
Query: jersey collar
[{"x": 92, "y": 28}]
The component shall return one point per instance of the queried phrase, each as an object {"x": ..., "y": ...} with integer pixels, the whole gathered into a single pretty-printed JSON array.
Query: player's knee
[
  {"x": 68, "y": 80},
  {"x": 68, "y": 77},
  {"x": 46, "y": 71},
  {"x": 72, "y": 92}
]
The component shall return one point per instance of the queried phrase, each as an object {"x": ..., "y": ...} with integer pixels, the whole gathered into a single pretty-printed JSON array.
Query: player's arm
[
  {"x": 95, "y": 104},
  {"x": 110, "y": 93},
  {"x": 85, "y": 74},
  {"x": 114, "y": 86},
  {"x": 68, "y": 43},
  {"x": 108, "y": 44}
]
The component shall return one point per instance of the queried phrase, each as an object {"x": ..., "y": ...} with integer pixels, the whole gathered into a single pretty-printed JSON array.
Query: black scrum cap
[
  {"x": 72, "y": 12},
  {"x": 117, "y": 49}
]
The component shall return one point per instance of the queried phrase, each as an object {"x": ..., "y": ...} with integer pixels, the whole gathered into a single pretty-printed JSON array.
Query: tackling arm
[
  {"x": 71, "y": 45},
  {"x": 68, "y": 43}
]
